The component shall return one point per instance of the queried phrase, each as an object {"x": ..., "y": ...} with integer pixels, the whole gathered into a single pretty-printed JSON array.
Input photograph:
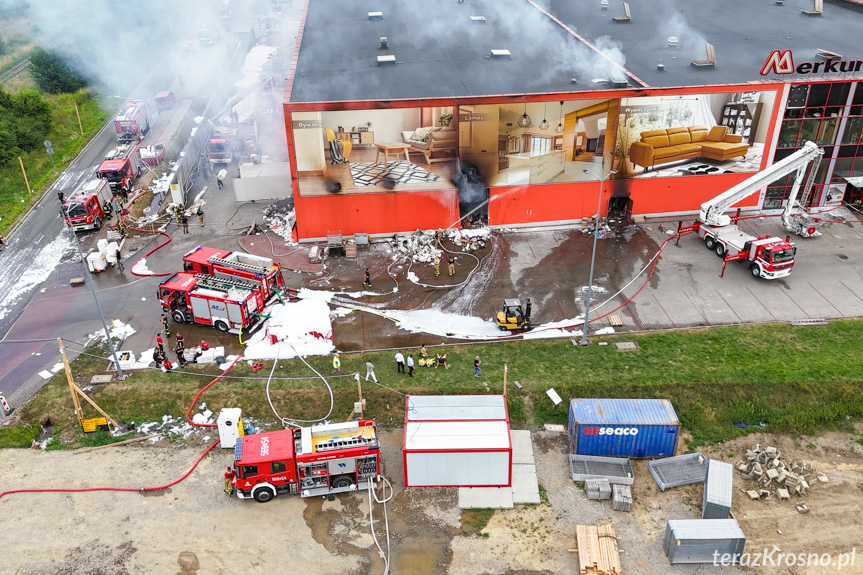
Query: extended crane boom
[{"x": 713, "y": 211}]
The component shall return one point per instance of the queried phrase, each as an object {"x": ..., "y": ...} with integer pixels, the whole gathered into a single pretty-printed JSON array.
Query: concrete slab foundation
[{"x": 485, "y": 498}]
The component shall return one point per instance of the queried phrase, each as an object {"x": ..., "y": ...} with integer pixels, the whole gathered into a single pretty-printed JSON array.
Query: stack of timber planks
[{"x": 597, "y": 550}]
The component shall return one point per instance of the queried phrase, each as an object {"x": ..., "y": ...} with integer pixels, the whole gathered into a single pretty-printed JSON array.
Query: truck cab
[{"x": 84, "y": 210}]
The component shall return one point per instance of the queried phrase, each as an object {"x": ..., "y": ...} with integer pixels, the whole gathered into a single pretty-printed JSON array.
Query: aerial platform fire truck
[
  {"x": 132, "y": 122},
  {"x": 310, "y": 461},
  {"x": 224, "y": 303},
  {"x": 769, "y": 257},
  {"x": 121, "y": 167},
  {"x": 222, "y": 263},
  {"x": 85, "y": 208}
]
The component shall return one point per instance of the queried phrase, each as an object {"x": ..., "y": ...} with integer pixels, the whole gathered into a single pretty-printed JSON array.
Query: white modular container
[{"x": 457, "y": 441}]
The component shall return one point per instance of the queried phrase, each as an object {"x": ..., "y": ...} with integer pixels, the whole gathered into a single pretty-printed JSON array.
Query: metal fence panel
[{"x": 680, "y": 470}]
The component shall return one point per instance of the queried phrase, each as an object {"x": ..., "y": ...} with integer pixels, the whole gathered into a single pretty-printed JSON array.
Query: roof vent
[
  {"x": 673, "y": 41},
  {"x": 603, "y": 4},
  {"x": 827, "y": 54},
  {"x": 618, "y": 82},
  {"x": 477, "y": 19},
  {"x": 660, "y": 67},
  {"x": 501, "y": 54},
  {"x": 574, "y": 79},
  {"x": 376, "y": 15},
  {"x": 388, "y": 59},
  {"x": 383, "y": 41}
]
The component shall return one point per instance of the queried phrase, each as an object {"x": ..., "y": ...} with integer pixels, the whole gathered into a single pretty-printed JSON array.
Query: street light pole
[
  {"x": 601, "y": 179},
  {"x": 120, "y": 375}
]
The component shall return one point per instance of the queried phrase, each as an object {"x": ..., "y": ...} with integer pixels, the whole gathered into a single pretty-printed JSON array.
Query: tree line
[{"x": 25, "y": 116}]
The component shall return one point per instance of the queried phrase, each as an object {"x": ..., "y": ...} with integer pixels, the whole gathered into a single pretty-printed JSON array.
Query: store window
[{"x": 814, "y": 113}]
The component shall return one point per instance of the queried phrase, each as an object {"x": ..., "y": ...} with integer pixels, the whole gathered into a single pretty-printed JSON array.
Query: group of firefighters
[{"x": 159, "y": 356}]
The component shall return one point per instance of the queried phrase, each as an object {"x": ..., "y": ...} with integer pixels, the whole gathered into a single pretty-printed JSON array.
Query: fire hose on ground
[{"x": 140, "y": 489}]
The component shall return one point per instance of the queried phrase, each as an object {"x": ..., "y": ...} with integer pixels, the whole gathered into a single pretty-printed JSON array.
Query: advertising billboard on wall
[{"x": 697, "y": 134}]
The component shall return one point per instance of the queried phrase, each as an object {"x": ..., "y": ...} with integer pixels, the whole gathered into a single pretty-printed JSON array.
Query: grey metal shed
[
  {"x": 718, "y": 490},
  {"x": 703, "y": 541}
]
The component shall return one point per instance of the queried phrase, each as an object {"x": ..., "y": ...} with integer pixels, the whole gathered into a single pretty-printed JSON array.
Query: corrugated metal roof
[
  {"x": 262, "y": 188},
  {"x": 455, "y": 407},
  {"x": 623, "y": 411},
  {"x": 456, "y": 435}
]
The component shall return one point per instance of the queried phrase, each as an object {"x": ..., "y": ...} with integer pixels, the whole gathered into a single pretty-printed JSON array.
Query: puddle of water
[{"x": 425, "y": 556}]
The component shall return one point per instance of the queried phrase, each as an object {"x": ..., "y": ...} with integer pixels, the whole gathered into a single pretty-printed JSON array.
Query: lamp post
[
  {"x": 120, "y": 375},
  {"x": 601, "y": 179}
]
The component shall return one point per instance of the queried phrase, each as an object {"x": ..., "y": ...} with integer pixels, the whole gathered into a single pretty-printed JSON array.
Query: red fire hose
[
  {"x": 203, "y": 389},
  {"x": 142, "y": 489},
  {"x": 166, "y": 242}
]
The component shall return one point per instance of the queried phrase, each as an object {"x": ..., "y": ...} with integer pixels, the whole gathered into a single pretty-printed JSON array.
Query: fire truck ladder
[
  {"x": 254, "y": 268},
  {"x": 807, "y": 189},
  {"x": 333, "y": 445},
  {"x": 210, "y": 282}
]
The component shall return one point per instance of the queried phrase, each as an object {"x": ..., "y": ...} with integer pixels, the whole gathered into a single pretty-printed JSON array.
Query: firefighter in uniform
[
  {"x": 166, "y": 325},
  {"x": 229, "y": 481}
]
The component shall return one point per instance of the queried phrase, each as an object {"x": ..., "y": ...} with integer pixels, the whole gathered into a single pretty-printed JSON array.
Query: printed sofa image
[
  {"x": 673, "y": 144},
  {"x": 435, "y": 143}
]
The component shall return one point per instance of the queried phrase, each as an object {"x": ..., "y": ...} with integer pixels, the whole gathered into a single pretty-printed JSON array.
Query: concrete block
[
  {"x": 783, "y": 475},
  {"x": 756, "y": 447},
  {"x": 765, "y": 493},
  {"x": 802, "y": 507},
  {"x": 742, "y": 467},
  {"x": 79, "y": 281},
  {"x": 772, "y": 473},
  {"x": 822, "y": 477},
  {"x": 783, "y": 494},
  {"x": 753, "y": 494}
]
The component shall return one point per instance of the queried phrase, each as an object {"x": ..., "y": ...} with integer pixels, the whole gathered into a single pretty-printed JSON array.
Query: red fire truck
[
  {"x": 329, "y": 458},
  {"x": 132, "y": 122},
  {"x": 121, "y": 167},
  {"x": 221, "y": 263},
  {"x": 221, "y": 145},
  {"x": 84, "y": 209},
  {"x": 224, "y": 303}
]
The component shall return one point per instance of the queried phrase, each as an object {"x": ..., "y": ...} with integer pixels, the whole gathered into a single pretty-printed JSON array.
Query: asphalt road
[{"x": 36, "y": 301}]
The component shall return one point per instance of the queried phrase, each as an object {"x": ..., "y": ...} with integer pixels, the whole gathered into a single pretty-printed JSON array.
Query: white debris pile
[
  {"x": 280, "y": 218},
  {"x": 204, "y": 415},
  {"x": 469, "y": 239},
  {"x": 777, "y": 477},
  {"x": 118, "y": 330},
  {"x": 302, "y": 327},
  {"x": 171, "y": 426},
  {"x": 419, "y": 246}
]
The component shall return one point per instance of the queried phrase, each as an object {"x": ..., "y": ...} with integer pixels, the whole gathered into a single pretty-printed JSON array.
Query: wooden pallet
[{"x": 597, "y": 550}]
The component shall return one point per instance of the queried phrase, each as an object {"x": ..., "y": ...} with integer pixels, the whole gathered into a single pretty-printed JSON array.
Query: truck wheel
[
  {"x": 342, "y": 481},
  {"x": 178, "y": 316},
  {"x": 264, "y": 494},
  {"x": 709, "y": 242},
  {"x": 221, "y": 326},
  {"x": 755, "y": 270},
  {"x": 98, "y": 223},
  {"x": 720, "y": 250}
]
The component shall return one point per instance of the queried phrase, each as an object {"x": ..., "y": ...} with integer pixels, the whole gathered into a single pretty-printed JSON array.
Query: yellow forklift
[{"x": 514, "y": 317}]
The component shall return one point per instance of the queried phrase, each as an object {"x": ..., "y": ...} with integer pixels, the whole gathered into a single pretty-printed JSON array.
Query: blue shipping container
[{"x": 623, "y": 427}]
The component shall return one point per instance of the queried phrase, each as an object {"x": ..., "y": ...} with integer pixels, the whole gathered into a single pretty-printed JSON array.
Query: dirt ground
[{"x": 193, "y": 527}]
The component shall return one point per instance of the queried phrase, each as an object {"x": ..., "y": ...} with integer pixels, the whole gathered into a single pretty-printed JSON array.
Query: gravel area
[{"x": 194, "y": 527}]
